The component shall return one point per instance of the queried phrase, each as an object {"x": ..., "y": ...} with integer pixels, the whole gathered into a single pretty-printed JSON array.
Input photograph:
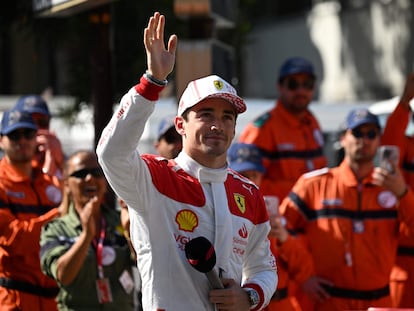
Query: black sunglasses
[
  {"x": 293, "y": 84},
  {"x": 95, "y": 172},
  {"x": 371, "y": 134},
  {"x": 18, "y": 134}
]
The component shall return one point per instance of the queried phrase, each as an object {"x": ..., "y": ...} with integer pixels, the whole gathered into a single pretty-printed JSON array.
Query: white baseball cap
[{"x": 210, "y": 87}]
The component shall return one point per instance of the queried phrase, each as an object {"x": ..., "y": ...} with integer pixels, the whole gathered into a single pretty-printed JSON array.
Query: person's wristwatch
[{"x": 253, "y": 295}]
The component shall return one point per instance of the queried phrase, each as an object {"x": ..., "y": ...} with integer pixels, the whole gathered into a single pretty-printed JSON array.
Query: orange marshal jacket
[
  {"x": 394, "y": 134},
  {"x": 351, "y": 227},
  {"x": 291, "y": 147},
  {"x": 293, "y": 263},
  {"x": 25, "y": 205}
]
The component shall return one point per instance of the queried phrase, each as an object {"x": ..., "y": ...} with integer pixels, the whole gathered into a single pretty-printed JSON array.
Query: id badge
[
  {"x": 358, "y": 226},
  {"x": 127, "y": 282},
  {"x": 103, "y": 290}
]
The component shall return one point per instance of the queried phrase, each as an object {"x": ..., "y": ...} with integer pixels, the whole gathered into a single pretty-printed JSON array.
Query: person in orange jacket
[
  {"x": 28, "y": 199},
  {"x": 350, "y": 216},
  {"x": 294, "y": 263},
  {"x": 289, "y": 135},
  {"x": 49, "y": 153},
  {"x": 402, "y": 276},
  {"x": 292, "y": 260}
]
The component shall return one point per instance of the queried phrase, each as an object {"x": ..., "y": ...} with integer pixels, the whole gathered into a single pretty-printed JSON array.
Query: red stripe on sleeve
[{"x": 148, "y": 90}]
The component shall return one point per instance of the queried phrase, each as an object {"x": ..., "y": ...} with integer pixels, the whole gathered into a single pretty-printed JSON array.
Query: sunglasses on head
[
  {"x": 18, "y": 134},
  {"x": 293, "y": 84},
  {"x": 95, "y": 172},
  {"x": 371, "y": 134}
]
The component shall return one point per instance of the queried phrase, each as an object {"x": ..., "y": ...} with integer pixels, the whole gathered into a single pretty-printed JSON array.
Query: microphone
[{"x": 201, "y": 255}]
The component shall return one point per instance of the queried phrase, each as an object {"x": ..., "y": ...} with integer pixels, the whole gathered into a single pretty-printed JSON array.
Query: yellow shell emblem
[
  {"x": 218, "y": 84},
  {"x": 187, "y": 220},
  {"x": 240, "y": 202}
]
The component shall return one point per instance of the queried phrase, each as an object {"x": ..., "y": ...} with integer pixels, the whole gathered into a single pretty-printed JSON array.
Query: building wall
[{"x": 359, "y": 53}]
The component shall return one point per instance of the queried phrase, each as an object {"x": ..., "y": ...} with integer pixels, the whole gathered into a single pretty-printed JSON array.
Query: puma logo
[{"x": 248, "y": 188}]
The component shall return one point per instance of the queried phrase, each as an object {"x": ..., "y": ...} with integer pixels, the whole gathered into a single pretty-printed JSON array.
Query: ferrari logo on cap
[
  {"x": 218, "y": 84},
  {"x": 240, "y": 202}
]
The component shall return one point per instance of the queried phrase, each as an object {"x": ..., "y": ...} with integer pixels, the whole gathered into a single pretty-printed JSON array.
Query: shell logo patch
[
  {"x": 240, "y": 202},
  {"x": 218, "y": 84},
  {"x": 187, "y": 220}
]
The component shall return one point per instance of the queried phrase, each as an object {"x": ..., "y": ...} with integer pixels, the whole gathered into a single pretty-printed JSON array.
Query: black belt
[
  {"x": 281, "y": 293},
  {"x": 407, "y": 251},
  {"x": 358, "y": 294},
  {"x": 49, "y": 292}
]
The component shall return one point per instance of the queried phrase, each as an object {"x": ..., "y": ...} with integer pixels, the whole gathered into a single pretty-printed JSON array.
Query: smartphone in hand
[{"x": 389, "y": 157}]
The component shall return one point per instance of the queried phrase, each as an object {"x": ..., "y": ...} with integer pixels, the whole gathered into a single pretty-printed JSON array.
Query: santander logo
[{"x": 243, "y": 232}]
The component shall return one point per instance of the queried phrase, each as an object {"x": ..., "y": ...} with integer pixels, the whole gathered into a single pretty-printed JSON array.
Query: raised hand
[
  {"x": 160, "y": 60},
  {"x": 393, "y": 181},
  {"x": 88, "y": 216},
  {"x": 277, "y": 228}
]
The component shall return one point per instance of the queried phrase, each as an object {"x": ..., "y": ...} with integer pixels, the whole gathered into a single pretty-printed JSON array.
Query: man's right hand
[{"x": 159, "y": 60}]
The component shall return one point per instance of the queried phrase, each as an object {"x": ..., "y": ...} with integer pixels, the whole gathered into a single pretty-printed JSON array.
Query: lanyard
[{"x": 99, "y": 248}]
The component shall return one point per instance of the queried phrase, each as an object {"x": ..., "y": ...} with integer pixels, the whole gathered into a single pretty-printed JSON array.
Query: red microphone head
[{"x": 200, "y": 254}]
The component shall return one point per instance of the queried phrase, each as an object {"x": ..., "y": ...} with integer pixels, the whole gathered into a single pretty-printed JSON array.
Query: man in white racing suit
[{"x": 171, "y": 202}]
